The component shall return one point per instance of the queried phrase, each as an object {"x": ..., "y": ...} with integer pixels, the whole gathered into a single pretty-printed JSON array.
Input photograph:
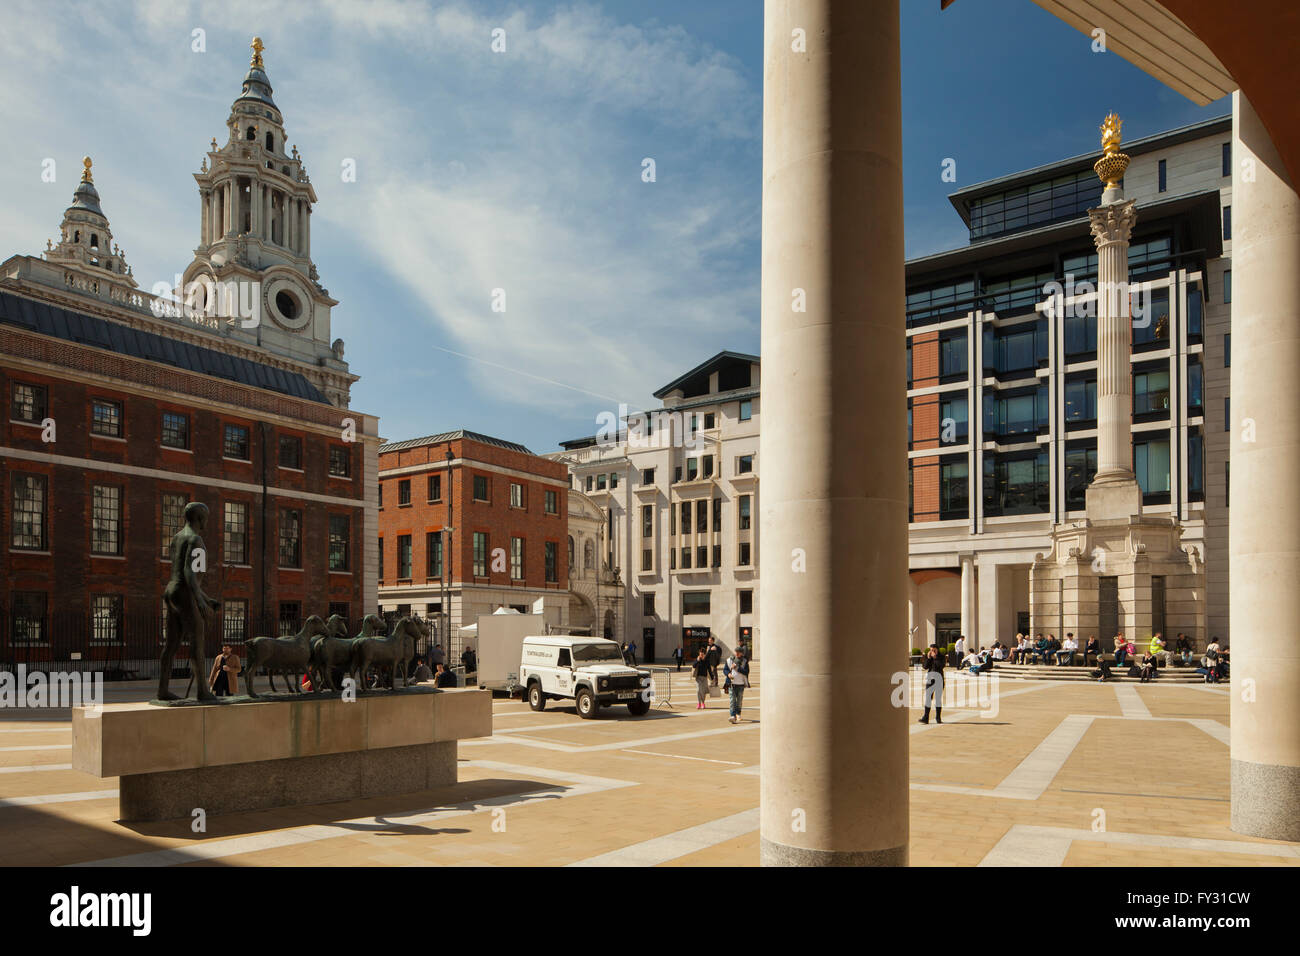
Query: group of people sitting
[
  {"x": 1048, "y": 650},
  {"x": 1045, "y": 650}
]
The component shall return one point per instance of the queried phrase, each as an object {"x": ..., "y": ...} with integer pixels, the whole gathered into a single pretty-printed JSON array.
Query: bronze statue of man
[{"x": 188, "y": 608}]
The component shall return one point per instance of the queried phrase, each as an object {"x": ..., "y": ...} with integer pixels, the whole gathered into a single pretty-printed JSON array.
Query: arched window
[
  {"x": 570, "y": 550},
  {"x": 76, "y": 236},
  {"x": 268, "y": 165},
  {"x": 270, "y": 142},
  {"x": 94, "y": 241},
  {"x": 588, "y": 555},
  {"x": 251, "y": 134}
]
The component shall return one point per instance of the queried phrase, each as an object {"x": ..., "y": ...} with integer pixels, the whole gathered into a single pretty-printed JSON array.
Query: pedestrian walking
[
  {"x": 224, "y": 679},
  {"x": 678, "y": 655},
  {"x": 714, "y": 654},
  {"x": 700, "y": 668},
  {"x": 737, "y": 674},
  {"x": 932, "y": 695}
]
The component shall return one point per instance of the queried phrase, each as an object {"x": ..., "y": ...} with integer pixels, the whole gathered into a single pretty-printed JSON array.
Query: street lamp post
[{"x": 446, "y": 564}]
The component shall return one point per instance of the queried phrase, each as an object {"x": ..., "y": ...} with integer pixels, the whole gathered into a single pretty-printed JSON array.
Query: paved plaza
[{"x": 1061, "y": 774}]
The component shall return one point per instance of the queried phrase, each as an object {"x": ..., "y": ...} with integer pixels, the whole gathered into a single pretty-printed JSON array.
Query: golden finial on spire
[
  {"x": 1110, "y": 168},
  {"x": 257, "y": 48},
  {"x": 85, "y": 173}
]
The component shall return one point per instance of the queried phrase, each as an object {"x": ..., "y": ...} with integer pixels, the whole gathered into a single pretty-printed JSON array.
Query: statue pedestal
[{"x": 255, "y": 756}]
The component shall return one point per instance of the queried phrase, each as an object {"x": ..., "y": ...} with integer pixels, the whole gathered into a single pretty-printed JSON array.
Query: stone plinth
[
  {"x": 1065, "y": 590},
  {"x": 227, "y": 758}
]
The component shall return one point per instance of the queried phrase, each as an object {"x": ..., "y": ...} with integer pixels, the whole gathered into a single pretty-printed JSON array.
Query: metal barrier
[{"x": 661, "y": 685}]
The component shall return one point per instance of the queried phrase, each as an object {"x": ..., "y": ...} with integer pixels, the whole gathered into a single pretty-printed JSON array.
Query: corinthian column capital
[{"x": 1113, "y": 222}]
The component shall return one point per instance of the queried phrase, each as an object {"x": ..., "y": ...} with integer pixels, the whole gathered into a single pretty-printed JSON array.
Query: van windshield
[{"x": 591, "y": 653}]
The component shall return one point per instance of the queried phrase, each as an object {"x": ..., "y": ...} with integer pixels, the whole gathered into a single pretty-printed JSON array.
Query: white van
[{"x": 587, "y": 670}]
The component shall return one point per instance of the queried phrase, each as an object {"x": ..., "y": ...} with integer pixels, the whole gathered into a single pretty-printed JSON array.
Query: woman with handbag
[
  {"x": 737, "y": 673},
  {"x": 700, "y": 670}
]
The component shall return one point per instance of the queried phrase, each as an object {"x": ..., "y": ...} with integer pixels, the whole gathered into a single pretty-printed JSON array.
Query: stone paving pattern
[{"x": 680, "y": 787}]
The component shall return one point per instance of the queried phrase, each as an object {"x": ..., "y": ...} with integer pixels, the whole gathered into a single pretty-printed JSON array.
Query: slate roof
[
  {"x": 451, "y": 436},
  {"x": 100, "y": 333}
]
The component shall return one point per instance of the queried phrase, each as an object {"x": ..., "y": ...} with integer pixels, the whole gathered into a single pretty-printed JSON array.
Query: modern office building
[
  {"x": 121, "y": 406},
  {"x": 1002, "y": 380},
  {"x": 497, "y": 511},
  {"x": 679, "y": 487}
]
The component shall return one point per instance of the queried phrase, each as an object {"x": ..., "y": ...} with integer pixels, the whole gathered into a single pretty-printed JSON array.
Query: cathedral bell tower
[
  {"x": 255, "y": 226},
  {"x": 85, "y": 243}
]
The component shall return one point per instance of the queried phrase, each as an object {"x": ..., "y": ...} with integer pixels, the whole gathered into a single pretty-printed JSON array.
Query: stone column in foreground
[
  {"x": 834, "y": 442},
  {"x": 1264, "y": 520}
]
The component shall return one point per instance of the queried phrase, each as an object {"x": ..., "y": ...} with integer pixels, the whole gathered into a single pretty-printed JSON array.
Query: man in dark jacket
[
  {"x": 932, "y": 673},
  {"x": 714, "y": 655}
]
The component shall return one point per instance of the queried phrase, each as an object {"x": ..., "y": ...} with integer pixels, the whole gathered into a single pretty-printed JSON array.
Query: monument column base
[{"x": 1116, "y": 498}]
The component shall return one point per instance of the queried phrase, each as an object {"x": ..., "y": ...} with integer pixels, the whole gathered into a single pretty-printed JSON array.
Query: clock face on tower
[{"x": 286, "y": 301}]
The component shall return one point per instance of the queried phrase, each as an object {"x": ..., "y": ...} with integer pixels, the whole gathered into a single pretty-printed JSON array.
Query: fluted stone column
[
  {"x": 289, "y": 222},
  {"x": 266, "y": 228},
  {"x": 227, "y": 219},
  {"x": 306, "y": 220},
  {"x": 254, "y": 207},
  {"x": 205, "y": 204},
  {"x": 1114, "y": 492},
  {"x": 834, "y": 507},
  {"x": 1264, "y": 526}
]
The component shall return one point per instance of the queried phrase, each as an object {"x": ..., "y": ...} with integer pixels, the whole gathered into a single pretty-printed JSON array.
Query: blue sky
[{"x": 519, "y": 170}]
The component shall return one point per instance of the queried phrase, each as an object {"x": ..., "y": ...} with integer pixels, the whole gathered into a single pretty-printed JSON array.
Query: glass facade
[
  {"x": 1016, "y": 484},
  {"x": 1037, "y": 204}
]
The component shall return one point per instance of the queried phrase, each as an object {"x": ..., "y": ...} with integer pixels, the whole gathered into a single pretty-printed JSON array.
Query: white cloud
[{"x": 477, "y": 170}]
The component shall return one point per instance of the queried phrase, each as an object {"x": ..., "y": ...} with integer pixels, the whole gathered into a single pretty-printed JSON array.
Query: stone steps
[{"x": 1168, "y": 675}]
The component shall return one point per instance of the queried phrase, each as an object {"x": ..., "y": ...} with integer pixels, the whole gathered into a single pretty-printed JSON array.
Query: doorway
[
  {"x": 1108, "y": 607},
  {"x": 648, "y": 644}
]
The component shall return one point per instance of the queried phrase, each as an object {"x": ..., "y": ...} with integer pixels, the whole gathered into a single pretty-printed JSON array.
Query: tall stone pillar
[
  {"x": 969, "y": 627},
  {"x": 1113, "y": 492},
  {"x": 302, "y": 227},
  {"x": 834, "y": 748},
  {"x": 205, "y": 203},
  {"x": 266, "y": 227},
  {"x": 255, "y": 207},
  {"x": 227, "y": 217},
  {"x": 289, "y": 222},
  {"x": 1264, "y": 530}
]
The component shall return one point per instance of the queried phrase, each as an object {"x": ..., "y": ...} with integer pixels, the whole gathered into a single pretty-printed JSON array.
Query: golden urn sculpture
[{"x": 1110, "y": 168}]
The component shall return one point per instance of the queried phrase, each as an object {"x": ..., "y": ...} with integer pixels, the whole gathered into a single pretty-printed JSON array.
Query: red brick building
[
  {"x": 509, "y": 528},
  {"x": 118, "y": 407}
]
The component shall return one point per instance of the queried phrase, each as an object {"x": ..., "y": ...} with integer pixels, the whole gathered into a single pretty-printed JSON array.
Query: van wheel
[
  {"x": 536, "y": 699},
  {"x": 587, "y": 703},
  {"x": 638, "y": 707}
]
